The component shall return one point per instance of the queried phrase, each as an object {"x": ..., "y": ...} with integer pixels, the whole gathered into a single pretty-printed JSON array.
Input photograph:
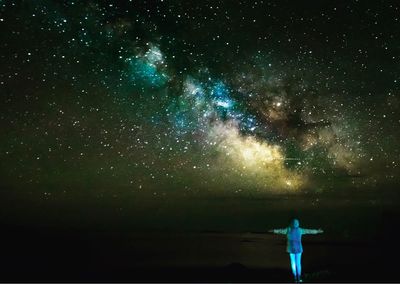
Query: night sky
[{"x": 162, "y": 98}]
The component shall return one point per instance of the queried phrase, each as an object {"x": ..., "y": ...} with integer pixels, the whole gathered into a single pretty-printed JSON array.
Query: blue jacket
[{"x": 293, "y": 236}]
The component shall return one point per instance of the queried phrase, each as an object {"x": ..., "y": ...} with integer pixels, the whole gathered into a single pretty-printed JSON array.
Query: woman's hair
[{"x": 294, "y": 223}]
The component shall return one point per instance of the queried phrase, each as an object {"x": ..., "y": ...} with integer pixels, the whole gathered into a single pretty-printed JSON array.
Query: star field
[{"x": 199, "y": 97}]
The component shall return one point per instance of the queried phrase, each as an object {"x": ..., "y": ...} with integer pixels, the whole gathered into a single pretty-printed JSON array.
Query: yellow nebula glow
[
  {"x": 260, "y": 163},
  {"x": 254, "y": 152}
]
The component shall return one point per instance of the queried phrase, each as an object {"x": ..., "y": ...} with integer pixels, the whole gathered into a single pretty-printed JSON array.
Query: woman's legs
[
  {"x": 298, "y": 265},
  {"x": 293, "y": 264}
]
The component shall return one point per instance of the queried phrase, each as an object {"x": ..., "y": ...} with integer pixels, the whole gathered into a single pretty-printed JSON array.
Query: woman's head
[{"x": 294, "y": 223}]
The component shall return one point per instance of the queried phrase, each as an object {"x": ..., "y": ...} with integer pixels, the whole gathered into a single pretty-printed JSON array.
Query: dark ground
[
  {"x": 29, "y": 254},
  {"x": 212, "y": 240}
]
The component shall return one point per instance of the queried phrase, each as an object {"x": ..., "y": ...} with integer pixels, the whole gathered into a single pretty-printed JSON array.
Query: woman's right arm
[
  {"x": 311, "y": 231},
  {"x": 279, "y": 231}
]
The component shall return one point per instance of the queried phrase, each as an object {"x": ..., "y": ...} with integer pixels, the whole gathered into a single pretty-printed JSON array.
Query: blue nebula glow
[
  {"x": 248, "y": 123},
  {"x": 202, "y": 102},
  {"x": 182, "y": 123},
  {"x": 185, "y": 118},
  {"x": 154, "y": 55},
  {"x": 145, "y": 74},
  {"x": 221, "y": 97}
]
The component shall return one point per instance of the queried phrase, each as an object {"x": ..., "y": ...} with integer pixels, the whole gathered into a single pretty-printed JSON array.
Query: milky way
[{"x": 211, "y": 96}]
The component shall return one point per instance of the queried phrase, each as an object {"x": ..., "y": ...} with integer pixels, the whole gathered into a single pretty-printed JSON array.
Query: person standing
[{"x": 293, "y": 246}]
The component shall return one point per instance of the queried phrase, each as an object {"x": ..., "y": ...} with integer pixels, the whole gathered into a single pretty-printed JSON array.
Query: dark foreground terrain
[
  {"x": 29, "y": 254},
  {"x": 195, "y": 240}
]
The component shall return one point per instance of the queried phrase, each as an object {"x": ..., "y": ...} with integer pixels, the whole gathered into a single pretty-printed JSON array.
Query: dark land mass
[
  {"x": 29, "y": 254},
  {"x": 47, "y": 240}
]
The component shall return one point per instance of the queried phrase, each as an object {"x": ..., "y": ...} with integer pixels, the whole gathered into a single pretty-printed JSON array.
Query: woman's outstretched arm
[
  {"x": 311, "y": 231},
  {"x": 279, "y": 231}
]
